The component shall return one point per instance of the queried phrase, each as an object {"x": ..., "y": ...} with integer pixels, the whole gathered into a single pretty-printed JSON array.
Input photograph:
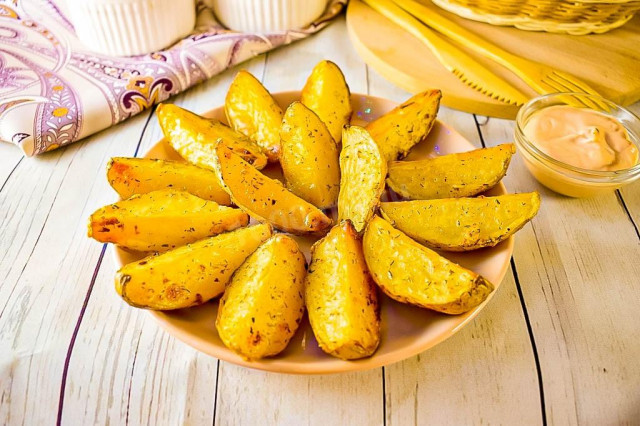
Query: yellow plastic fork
[{"x": 541, "y": 78}]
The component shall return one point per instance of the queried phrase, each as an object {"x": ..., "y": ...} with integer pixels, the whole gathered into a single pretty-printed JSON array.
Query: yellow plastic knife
[
  {"x": 541, "y": 78},
  {"x": 463, "y": 66}
]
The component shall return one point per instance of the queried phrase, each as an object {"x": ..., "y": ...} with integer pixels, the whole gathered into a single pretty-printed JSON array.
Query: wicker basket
[{"x": 576, "y": 17}]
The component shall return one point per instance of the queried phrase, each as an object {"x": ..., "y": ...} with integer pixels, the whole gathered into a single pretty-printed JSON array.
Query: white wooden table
[{"x": 558, "y": 344}]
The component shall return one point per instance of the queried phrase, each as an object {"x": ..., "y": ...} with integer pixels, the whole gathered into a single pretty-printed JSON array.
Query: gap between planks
[
  {"x": 11, "y": 173},
  {"x": 523, "y": 304},
  {"x": 74, "y": 335}
]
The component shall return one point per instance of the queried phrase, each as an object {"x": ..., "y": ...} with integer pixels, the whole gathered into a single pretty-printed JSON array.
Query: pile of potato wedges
[{"x": 192, "y": 217}]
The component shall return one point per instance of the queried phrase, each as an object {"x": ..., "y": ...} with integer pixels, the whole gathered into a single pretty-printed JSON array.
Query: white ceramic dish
[
  {"x": 131, "y": 27},
  {"x": 267, "y": 15},
  {"x": 406, "y": 330}
]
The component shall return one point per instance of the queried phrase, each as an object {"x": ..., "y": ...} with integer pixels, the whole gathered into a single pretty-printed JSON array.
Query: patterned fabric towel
[{"x": 53, "y": 91}]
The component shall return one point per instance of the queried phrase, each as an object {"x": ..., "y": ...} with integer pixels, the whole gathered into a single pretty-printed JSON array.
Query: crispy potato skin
[
  {"x": 263, "y": 304},
  {"x": 189, "y": 275},
  {"x": 327, "y": 94},
  {"x": 341, "y": 297},
  {"x": 162, "y": 220},
  {"x": 309, "y": 157},
  {"x": 462, "y": 224},
  {"x": 193, "y": 137},
  {"x": 251, "y": 110},
  {"x": 411, "y": 273},
  {"x": 266, "y": 199},
  {"x": 363, "y": 171},
  {"x": 400, "y": 129},
  {"x": 130, "y": 176},
  {"x": 451, "y": 176}
]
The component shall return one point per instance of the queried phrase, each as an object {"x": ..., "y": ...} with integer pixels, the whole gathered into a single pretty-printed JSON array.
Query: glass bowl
[{"x": 565, "y": 178}]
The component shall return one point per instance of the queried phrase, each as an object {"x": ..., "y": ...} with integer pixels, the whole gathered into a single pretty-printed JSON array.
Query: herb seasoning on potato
[
  {"x": 327, "y": 94},
  {"x": 251, "y": 110},
  {"x": 451, "y": 176},
  {"x": 400, "y": 129},
  {"x": 189, "y": 275},
  {"x": 309, "y": 157},
  {"x": 462, "y": 224},
  {"x": 130, "y": 176},
  {"x": 193, "y": 136},
  {"x": 162, "y": 220},
  {"x": 411, "y": 273},
  {"x": 363, "y": 171},
  {"x": 341, "y": 297},
  {"x": 263, "y": 304},
  {"x": 265, "y": 199}
]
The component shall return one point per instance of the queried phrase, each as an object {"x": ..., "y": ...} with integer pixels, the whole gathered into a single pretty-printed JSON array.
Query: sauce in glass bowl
[
  {"x": 575, "y": 150},
  {"x": 582, "y": 138}
]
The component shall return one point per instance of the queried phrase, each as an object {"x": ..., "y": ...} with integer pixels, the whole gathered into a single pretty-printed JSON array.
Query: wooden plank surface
[
  {"x": 578, "y": 268},
  {"x": 71, "y": 349},
  {"x": 10, "y": 157},
  {"x": 46, "y": 264}
]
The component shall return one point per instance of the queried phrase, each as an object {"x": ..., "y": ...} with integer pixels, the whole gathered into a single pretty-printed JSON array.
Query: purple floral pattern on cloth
[{"x": 53, "y": 91}]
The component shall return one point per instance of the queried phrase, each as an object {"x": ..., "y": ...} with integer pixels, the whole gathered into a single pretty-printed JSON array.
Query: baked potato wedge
[
  {"x": 162, "y": 220},
  {"x": 193, "y": 136},
  {"x": 341, "y": 298},
  {"x": 363, "y": 171},
  {"x": 400, "y": 129},
  {"x": 189, "y": 275},
  {"x": 327, "y": 94},
  {"x": 309, "y": 157},
  {"x": 462, "y": 224},
  {"x": 451, "y": 176},
  {"x": 263, "y": 304},
  {"x": 251, "y": 110},
  {"x": 130, "y": 176},
  {"x": 411, "y": 273},
  {"x": 265, "y": 199}
]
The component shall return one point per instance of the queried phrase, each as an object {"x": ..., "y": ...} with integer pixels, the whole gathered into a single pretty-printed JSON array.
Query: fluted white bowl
[
  {"x": 131, "y": 27},
  {"x": 267, "y": 15}
]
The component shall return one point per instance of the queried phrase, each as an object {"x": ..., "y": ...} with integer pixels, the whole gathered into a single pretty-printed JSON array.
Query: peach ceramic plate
[{"x": 406, "y": 330}]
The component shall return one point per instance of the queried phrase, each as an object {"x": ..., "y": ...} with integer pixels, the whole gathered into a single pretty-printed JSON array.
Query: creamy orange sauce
[{"x": 582, "y": 138}]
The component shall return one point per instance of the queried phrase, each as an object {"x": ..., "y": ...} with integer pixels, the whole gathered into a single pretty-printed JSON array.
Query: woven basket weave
[{"x": 576, "y": 17}]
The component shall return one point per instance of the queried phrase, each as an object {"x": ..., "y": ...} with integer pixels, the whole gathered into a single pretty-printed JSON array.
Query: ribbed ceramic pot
[
  {"x": 267, "y": 15},
  {"x": 131, "y": 27}
]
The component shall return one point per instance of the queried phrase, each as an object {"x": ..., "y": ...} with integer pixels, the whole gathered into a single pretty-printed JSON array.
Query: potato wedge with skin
[
  {"x": 266, "y": 199},
  {"x": 451, "y": 176},
  {"x": 363, "y": 171},
  {"x": 327, "y": 94},
  {"x": 400, "y": 129},
  {"x": 341, "y": 297},
  {"x": 251, "y": 110},
  {"x": 309, "y": 157},
  {"x": 130, "y": 176},
  {"x": 263, "y": 304},
  {"x": 193, "y": 136},
  {"x": 162, "y": 220},
  {"x": 411, "y": 273},
  {"x": 462, "y": 224},
  {"x": 189, "y": 275}
]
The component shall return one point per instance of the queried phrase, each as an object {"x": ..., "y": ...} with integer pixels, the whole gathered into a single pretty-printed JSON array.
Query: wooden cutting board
[{"x": 610, "y": 62}]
